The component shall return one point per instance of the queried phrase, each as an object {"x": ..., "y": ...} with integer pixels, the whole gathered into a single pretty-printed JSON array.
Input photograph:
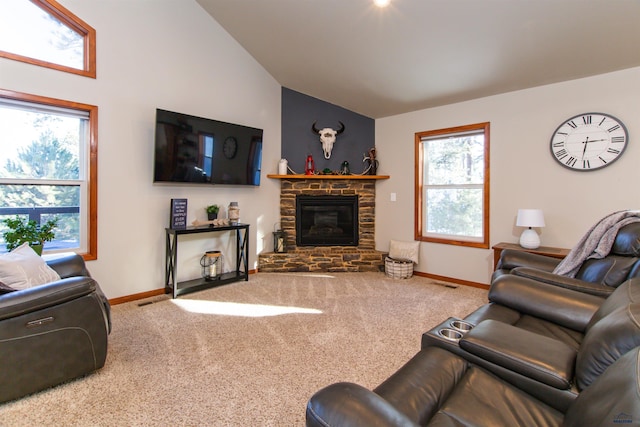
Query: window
[
  {"x": 255, "y": 160},
  {"x": 44, "y": 33},
  {"x": 48, "y": 167},
  {"x": 452, "y": 185},
  {"x": 207, "y": 143}
]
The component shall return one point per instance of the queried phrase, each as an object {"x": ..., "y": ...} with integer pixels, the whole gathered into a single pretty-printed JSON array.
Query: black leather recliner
[
  {"x": 549, "y": 310},
  {"x": 52, "y": 333},
  {"x": 595, "y": 276},
  {"x": 546, "y": 343},
  {"x": 550, "y": 341},
  {"x": 438, "y": 388}
]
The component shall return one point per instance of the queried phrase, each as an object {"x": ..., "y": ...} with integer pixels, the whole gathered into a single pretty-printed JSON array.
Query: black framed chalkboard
[{"x": 178, "y": 213}]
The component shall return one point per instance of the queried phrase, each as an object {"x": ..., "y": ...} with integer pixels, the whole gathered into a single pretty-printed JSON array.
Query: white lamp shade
[{"x": 530, "y": 218}]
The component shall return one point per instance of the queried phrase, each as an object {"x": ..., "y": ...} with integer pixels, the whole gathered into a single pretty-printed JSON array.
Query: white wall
[
  {"x": 160, "y": 54},
  {"x": 171, "y": 54},
  {"x": 523, "y": 173}
]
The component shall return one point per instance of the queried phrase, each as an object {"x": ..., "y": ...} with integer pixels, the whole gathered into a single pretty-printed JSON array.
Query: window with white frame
[
  {"x": 48, "y": 160},
  {"x": 452, "y": 185}
]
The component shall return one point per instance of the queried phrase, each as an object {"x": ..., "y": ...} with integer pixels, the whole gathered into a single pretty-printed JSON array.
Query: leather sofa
[
  {"x": 595, "y": 276},
  {"x": 52, "y": 333},
  {"x": 549, "y": 343},
  {"x": 439, "y": 388}
]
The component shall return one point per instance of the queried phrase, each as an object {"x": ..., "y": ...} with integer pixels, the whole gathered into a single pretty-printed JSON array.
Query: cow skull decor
[{"x": 327, "y": 137}]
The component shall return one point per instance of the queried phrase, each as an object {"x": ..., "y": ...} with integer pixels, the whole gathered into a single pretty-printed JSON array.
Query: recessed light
[{"x": 381, "y": 3}]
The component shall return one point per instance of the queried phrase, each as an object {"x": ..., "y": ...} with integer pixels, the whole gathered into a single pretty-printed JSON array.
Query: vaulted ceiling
[{"x": 416, "y": 54}]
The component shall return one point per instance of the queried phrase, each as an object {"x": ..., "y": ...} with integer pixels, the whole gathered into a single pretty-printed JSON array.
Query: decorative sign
[{"x": 178, "y": 213}]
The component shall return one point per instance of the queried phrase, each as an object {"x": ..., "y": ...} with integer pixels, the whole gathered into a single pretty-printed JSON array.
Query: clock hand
[{"x": 584, "y": 150}]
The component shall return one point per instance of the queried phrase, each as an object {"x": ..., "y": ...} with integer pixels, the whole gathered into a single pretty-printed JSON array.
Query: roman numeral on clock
[
  {"x": 561, "y": 154},
  {"x": 586, "y": 120}
]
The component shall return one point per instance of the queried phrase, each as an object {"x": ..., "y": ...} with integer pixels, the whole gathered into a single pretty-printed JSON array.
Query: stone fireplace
[{"x": 323, "y": 255}]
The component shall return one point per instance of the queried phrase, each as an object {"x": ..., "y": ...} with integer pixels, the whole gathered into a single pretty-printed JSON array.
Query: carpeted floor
[{"x": 249, "y": 353}]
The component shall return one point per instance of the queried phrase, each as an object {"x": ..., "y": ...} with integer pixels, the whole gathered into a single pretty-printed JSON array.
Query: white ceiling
[{"x": 416, "y": 54}]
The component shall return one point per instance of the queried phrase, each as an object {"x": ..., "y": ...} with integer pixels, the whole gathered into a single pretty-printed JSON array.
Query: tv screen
[{"x": 191, "y": 149}]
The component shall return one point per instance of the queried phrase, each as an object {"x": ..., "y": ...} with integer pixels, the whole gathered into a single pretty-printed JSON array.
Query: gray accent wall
[{"x": 299, "y": 111}]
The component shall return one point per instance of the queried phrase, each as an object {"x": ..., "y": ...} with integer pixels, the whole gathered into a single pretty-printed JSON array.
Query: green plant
[
  {"x": 213, "y": 209},
  {"x": 21, "y": 230}
]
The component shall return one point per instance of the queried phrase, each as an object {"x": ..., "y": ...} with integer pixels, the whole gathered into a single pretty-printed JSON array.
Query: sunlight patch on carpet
[
  {"x": 239, "y": 309},
  {"x": 316, "y": 275}
]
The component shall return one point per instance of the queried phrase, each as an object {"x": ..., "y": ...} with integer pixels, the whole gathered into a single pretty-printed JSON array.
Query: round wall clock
[
  {"x": 229, "y": 147},
  {"x": 589, "y": 141}
]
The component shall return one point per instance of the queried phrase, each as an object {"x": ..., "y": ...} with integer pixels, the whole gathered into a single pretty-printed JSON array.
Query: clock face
[
  {"x": 589, "y": 141},
  {"x": 230, "y": 147}
]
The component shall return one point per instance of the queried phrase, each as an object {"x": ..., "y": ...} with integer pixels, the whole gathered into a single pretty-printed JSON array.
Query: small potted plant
[
  {"x": 212, "y": 212},
  {"x": 22, "y": 230}
]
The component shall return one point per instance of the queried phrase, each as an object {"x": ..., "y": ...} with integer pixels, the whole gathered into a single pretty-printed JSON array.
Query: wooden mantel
[{"x": 302, "y": 176}]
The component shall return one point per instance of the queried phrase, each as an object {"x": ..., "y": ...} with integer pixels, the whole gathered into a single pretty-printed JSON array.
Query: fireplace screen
[{"x": 327, "y": 220}]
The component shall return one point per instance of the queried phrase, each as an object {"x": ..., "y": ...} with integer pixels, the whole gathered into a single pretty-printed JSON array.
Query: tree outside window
[
  {"x": 452, "y": 185},
  {"x": 44, "y": 33},
  {"x": 47, "y": 152}
]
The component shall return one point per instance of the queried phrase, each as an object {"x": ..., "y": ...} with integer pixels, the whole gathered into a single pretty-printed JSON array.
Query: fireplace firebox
[{"x": 326, "y": 220}]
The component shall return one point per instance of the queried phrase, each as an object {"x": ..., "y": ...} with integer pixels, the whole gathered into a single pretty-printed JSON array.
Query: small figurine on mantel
[
  {"x": 371, "y": 164},
  {"x": 344, "y": 169}
]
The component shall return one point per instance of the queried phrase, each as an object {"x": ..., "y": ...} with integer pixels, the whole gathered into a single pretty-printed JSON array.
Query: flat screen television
[{"x": 195, "y": 150}]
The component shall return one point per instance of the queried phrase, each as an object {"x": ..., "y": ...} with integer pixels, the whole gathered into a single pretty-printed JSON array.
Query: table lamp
[{"x": 529, "y": 218}]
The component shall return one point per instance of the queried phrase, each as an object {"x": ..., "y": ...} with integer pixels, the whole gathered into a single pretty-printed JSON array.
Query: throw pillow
[
  {"x": 23, "y": 268},
  {"x": 4, "y": 289},
  {"x": 404, "y": 250}
]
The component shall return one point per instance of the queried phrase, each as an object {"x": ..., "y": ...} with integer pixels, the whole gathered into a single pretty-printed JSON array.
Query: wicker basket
[{"x": 398, "y": 268}]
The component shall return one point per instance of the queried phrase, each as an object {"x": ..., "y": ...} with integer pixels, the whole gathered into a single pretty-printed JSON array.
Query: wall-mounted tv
[{"x": 196, "y": 150}]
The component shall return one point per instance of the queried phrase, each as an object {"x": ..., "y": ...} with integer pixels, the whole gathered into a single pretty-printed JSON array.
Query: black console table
[{"x": 171, "y": 263}]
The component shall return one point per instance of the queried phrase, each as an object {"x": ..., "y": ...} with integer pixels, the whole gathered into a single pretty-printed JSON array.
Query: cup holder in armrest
[
  {"x": 447, "y": 334},
  {"x": 450, "y": 334},
  {"x": 461, "y": 325}
]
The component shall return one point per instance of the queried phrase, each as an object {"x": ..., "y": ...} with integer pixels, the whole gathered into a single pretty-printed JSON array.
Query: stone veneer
[{"x": 359, "y": 258}]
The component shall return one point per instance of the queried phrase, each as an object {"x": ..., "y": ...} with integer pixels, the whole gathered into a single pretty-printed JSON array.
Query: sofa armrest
[
  {"x": 510, "y": 258},
  {"x": 535, "y": 356},
  {"x": 562, "y": 306},
  {"x": 564, "y": 281},
  {"x": 31, "y": 299},
  {"x": 67, "y": 264},
  {"x": 348, "y": 404}
]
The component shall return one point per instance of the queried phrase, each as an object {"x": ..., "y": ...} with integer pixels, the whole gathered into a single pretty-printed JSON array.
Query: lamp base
[{"x": 529, "y": 239}]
